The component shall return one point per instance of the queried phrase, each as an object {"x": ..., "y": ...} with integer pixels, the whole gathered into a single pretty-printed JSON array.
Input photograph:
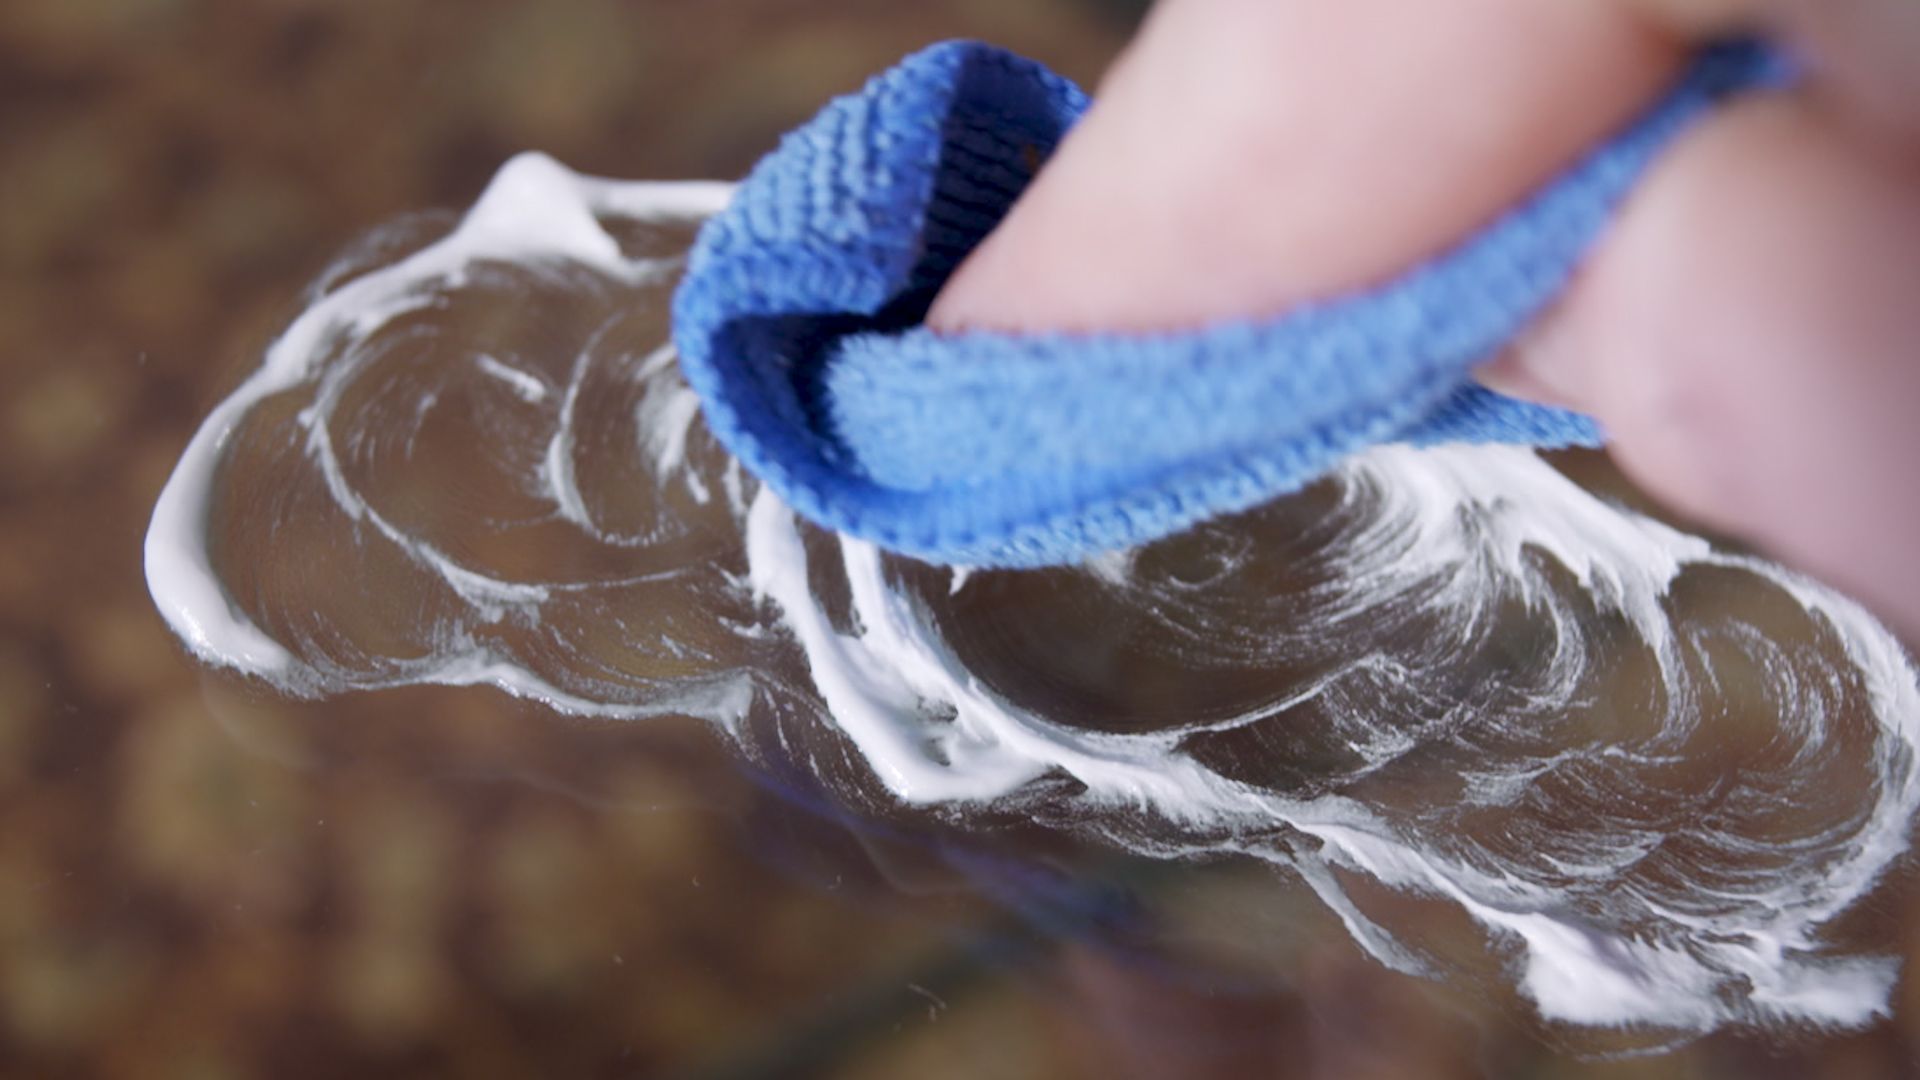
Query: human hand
[{"x": 1748, "y": 331}]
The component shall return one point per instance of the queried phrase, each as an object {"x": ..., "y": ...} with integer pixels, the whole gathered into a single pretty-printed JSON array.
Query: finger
[
  {"x": 1248, "y": 154},
  {"x": 1749, "y": 334}
]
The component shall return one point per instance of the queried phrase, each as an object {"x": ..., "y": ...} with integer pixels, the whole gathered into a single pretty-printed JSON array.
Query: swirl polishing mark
[{"x": 1654, "y": 772}]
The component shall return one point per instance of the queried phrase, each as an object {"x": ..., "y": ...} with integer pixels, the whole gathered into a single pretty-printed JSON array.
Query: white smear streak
[
  {"x": 664, "y": 419},
  {"x": 527, "y": 386},
  {"x": 557, "y": 465}
]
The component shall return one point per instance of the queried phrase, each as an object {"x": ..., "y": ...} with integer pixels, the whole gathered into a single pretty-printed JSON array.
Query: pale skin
[{"x": 1748, "y": 331}]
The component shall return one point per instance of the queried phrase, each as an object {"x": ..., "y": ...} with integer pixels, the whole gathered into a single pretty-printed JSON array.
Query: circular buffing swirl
[{"x": 1653, "y": 771}]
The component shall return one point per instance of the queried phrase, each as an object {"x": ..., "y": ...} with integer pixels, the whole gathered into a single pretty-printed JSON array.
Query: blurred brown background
[{"x": 200, "y": 881}]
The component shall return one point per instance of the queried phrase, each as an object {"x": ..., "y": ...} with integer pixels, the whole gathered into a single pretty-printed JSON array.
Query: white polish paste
[{"x": 1453, "y": 547}]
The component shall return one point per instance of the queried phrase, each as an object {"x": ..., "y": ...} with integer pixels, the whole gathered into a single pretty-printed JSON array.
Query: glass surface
[{"x": 204, "y": 874}]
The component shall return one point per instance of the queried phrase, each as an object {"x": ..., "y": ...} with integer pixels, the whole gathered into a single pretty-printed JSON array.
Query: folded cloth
[{"x": 798, "y": 323}]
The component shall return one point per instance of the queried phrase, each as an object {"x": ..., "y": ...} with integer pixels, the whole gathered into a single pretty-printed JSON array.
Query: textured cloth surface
[{"x": 798, "y": 324}]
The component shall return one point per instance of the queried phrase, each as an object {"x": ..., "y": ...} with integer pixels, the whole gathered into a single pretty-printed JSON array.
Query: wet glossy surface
[{"x": 201, "y": 877}]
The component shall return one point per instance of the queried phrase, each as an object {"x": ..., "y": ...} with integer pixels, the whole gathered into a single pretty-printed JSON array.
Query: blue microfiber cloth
[{"x": 799, "y": 325}]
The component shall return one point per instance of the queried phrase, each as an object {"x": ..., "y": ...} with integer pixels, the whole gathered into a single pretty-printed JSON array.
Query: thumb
[{"x": 1245, "y": 155}]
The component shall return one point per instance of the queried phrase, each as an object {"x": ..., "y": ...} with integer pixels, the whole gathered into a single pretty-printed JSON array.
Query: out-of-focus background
[{"x": 199, "y": 880}]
